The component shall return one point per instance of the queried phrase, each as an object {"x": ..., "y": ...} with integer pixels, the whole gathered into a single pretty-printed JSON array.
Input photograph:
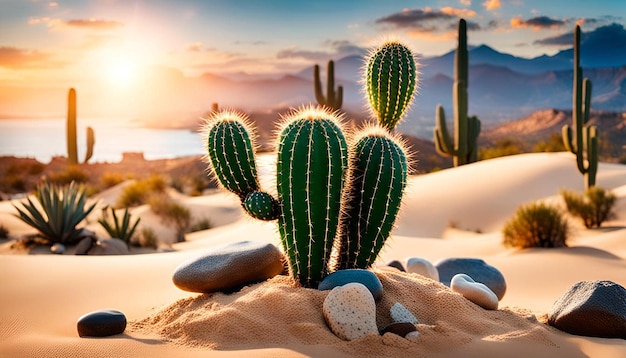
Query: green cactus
[
  {"x": 391, "y": 80},
  {"x": 331, "y": 100},
  {"x": 465, "y": 147},
  {"x": 378, "y": 172},
  {"x": 261, "y": 205},
  {"x": 585, "y": 143},
  {"x": 72, "y": 148}
]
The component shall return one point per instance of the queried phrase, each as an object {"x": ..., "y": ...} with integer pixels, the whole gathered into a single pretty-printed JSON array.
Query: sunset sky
[{"x": 54, "y": 43}]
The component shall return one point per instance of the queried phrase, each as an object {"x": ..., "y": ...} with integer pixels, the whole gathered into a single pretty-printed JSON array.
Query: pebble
[
  {"x": 478, "y": 269},
  {"x": 399, "y": 328},
  {"x": 400, "y": 314},
  {"x": 84, "y": 246},
  {"x": 591, "y": 308},
  {"x": 396, "y": 264},
  {"x": 109, "y": 247},
  {"x": 350, "y": 311},
  {"x": 474, "y": 291},
  {"x": 101, "y": 323},
  {"x": 364, "y": 277},
  {"x": 57, "y": 248},
  {"x": 228, "y": 268},
  {"x": 422, "y": 267}
]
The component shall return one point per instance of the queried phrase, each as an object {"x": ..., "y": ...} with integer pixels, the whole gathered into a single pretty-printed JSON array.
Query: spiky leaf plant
[
  {"x": 59, "y": 211},
  {"x": 120, "y": 228}
]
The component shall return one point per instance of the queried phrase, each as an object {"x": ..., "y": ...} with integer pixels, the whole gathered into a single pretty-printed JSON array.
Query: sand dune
[{"x": 42, "y": 296}]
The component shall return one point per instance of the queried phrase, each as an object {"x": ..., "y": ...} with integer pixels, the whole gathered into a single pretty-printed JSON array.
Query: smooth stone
[
  {"x": 229, "y": 267},
  {"x": 399, "y": 328},
  {"x": 422, "y": 267},
  {"x": 478, "y": 269},
  {"x": 400, "y": 314},
  {"x": 83, "y": 246},
  {"x": 364, "y": 277},
  {"x": 57, "y": 248},
  {"x": 109, "y": 247},
  {"x": 101, "y": 323},
  {"x": 412, "y": 336},
  {"x": 591, "y": 308},
  {"x": 474, "y": 291},
  {"x": 397, "y": 264},
  {"x": 350, "y": 311}
]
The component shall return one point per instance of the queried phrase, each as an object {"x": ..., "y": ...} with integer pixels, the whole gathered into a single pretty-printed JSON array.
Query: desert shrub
[
  {"x": 148, "y": 238},
  {"x": 172, "y": 213},
  {"x": 139, "y": 192},
  {"x": 4, "y": 232},
  {"x": 14, "y": 182},
  {"x": 501, "y": 148},
  {"x": 36, "y": 168},
  {"x": 202, "y": 224},
  {"x": 552, "y": 144},
  {"x": 59, "y": 211},
  {"x": 111, "y": 179},
  {"x": 72, "y": 173},
  {"x": 536, "y": 225},
  {"x": 121, "y": 228},
  {"x": 593, "y": 207}
]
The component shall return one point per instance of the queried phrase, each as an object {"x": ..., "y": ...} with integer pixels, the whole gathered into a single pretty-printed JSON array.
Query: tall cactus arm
[
  {"x": 332, "y": 100},
  {"x": 592, "y": 156},
  {"x": 72, "y": 148},
  {"x": 319, "y": 95},
  {"x": 568, "y": 139},
  {"x": 443, "y": 143},
  {"x": 91, "y": 140}
]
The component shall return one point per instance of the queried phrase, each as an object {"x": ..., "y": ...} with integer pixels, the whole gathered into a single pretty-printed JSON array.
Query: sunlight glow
[{"x": 122, "y": 73}]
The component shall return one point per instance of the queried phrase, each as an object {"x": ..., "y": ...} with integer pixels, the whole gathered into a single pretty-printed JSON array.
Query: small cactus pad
[{"x": 261, "y": 205}]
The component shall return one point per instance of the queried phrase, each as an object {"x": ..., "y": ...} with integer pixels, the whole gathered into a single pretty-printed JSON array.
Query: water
[{"x": 44, "y": 138}]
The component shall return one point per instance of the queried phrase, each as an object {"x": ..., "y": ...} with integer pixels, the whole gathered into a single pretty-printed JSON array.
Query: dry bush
[
  {"x": 72, "y": 173},
  {"x": 172, "y": 213},
  {"x": 536, "y": 225},
  {"x": 111, "y": 179},
  {"x": 594, "y": 206},
  {"x": 139, "y": 192}
]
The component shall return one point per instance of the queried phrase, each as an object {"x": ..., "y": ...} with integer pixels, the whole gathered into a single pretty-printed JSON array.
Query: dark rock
[
  {"x": 229, "y": 267},
  {"x": 591, "y": 308},
  {"x": 109, "y": 247},
  {"x": 399, "y": 328},
  {"x": 84, "y": 246},
  {"x": 477, "y": 269},
  {"x": 101, "y": 323},
  {"x": 364, "y": 277},
  {"x": 57, "y": 248},
  {"x": 397, "y": 264}
]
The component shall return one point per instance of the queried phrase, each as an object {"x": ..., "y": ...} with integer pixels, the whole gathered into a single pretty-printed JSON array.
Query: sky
[{"x": 53, "y": 43}]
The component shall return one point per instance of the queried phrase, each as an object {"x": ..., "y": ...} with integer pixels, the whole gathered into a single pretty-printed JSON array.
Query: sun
[{"x": 122, "y": 72}]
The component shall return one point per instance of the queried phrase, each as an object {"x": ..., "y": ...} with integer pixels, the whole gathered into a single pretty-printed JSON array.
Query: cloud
[
  {"x": 537, "y": 23},
  {"x": 430, "y": 24},
  {"x": 94, "y": 24},
  {"x": 458, "y": 12},
  {"x": 466, "y": 2},
  {"x": 337, "y": 49},
  {"x": 492, "y": 5},
  {"x": 613, "y": 34},
  {"x": 53, "y": 4},
  {"x": 194, "y": 47},
  {"x": 16, "y": 58}
]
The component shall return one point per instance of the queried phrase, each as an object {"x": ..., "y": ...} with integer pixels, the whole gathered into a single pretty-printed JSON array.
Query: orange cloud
[
  {"x": 536, "y": 23},
  {"x": 458, "y": 12},
  {"x": 466, "y": 2},
  {"x": 95, "y": 24},
  {"x": 492, "y": 4},
  {"x": 16, "y": 58},
  {"x": 194, "y": 47},
  {"x": 53, "y": 4}
]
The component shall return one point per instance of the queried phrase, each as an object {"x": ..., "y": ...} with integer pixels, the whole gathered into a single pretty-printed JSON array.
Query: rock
[
  {"x": 397, "y": 264},
  {"x": 84, "y": 246},
  {"x": 101, "y": 323},
  {"x": 591, "y": 308},
  {"x": 229, "y": 267},
  {"x": 350, "y": 311},
  {"x": 422, "y": 267},
  {"x": 109, "y": 247},
  {"x": 364, "y": 277},
  {"x": 399, "y": 328},
  {"x": 474, "y": 291},
  {"x": 412, "y": 336},
  {"x": 57, "y": 248},
  {"x": 477, "y": 269},
  {"x": 399, "y": 314}
]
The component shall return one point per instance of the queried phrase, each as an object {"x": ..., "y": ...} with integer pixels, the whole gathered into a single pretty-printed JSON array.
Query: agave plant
[
  {"x": 123, "y": 229},
  {"x": 59, "y": 211}
]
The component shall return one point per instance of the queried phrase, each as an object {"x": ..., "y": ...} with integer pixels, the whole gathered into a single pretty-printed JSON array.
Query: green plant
[
  {"x": 120, "y": 229},
  {"x": 59, "y": 211},
  {"x": 593, "y": 207},
  {"x": 331, "y": 100},
  {"x": 536, "y": 225},
  {"x": 72, "y": 147},
  {"x": 172, "y": 213},
  {"x": 582, "y": 140},
  {"x": 4, "y": 232},
  {"x": 464, "y": 150}
]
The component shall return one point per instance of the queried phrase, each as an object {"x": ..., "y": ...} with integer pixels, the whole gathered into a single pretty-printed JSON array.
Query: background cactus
[
  {"x": 585, "y": 143},
  {"x": 331, "y": 100},
  {"x": 465, "y": 147},
  {"x": 72, "y": 147},
  {"x": 91, "y": 140},
  {"x": 391, "y": 80}
]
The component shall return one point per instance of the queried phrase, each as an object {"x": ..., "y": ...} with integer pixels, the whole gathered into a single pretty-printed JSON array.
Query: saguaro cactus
[
  {"x": 91, "y": 140},
  {"x": 72, "y": 147},
  {"x": 331, "y": 100},
  {"x": 585, "y": 143},
  {"x": 464, "y": 149}
]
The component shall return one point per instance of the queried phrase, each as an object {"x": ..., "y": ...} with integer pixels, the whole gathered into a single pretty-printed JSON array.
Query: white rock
[
  {"x": 399, "y": 313},
  {"x": 474, "y": 291},
  {"x": 422, "y": 267},
  {"x": 412, "y": 336},
  {"x": 350, "y": 311}
]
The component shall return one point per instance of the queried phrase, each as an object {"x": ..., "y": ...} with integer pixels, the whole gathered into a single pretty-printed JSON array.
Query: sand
[{"x": 42, "y": 296}]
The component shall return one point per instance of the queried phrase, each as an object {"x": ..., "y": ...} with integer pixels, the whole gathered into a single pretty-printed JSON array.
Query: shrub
[
  {"x": 4, "y": 232},
  {"x": 72, "y": 173},
  {"x": 120, "y": 228},
  {"x": 501, "y": 148},
  {"x": 36, "y": 168},
  {"x": 536, "y": 225},
  {"x": 139, "y": 192},
  {"x": 111, "y": 179},
  {"x": 593, "y": 207},
  {"x": 202, "y": 224},
  {"x": 148, "y": 238},
  {"x": 172, "y": 213},
  {"x": 62, "y": 209},
  {"x": 553, "y": 144}
]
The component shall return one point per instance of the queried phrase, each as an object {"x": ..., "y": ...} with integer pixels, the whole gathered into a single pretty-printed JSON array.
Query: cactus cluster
[
  {"x": 582, "y": 140},
  {"x": 464, "y": 149},
  {"x": 72, "y": 147},
  {"x": 337, "y": 197},
  {"x": 332, "y": 99}
]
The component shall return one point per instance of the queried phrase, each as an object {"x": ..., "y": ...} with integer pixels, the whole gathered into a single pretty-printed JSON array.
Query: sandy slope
[{"x": 42, "y": 296}]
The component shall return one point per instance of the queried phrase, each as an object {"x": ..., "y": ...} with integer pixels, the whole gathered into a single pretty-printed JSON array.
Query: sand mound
[{"x": 278, "y": 314}]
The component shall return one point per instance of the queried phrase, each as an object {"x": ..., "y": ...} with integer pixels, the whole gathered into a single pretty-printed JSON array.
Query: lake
[{"x": 45, "y": 138}]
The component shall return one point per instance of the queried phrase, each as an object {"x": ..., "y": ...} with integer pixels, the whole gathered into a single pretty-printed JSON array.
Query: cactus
[
  {"x": 91, "y": 140},
  {"x": 585, "y": 143},
  {"x": 331, "y": 100},
  {"x": 465, "y": 148},
  {"x": 72, "y": 147},
  {"x": 391, "y": 80}
]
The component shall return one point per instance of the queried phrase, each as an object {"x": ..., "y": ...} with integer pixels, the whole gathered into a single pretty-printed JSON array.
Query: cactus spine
[
  {"x": 391, "y": 80},
  {"x": 331, "y": 100},
  {"x": 464, "y": 150},
  {"x": 72, "y": 148},
  {"x": 585, "y": 143}
]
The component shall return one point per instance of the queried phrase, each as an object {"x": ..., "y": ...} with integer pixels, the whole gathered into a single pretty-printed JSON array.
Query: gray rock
[
  {"x": 84, "y": 246},
  {"x": 57, "y": 248},
  {"x": 101, "y": 323},
  {"x": 229, "y": 267},
  {"x": 422, "y": 267},
  {"x": 109, "y": 247},
  {"x": 591, "y": 308},
  {"x": 350, "y": 311},
  {"x": 397, "y": 264},
  {"x": 477, "y": 269},
  {"x": 364, "y": 277},
  {"x": 399, "y": 314}
]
